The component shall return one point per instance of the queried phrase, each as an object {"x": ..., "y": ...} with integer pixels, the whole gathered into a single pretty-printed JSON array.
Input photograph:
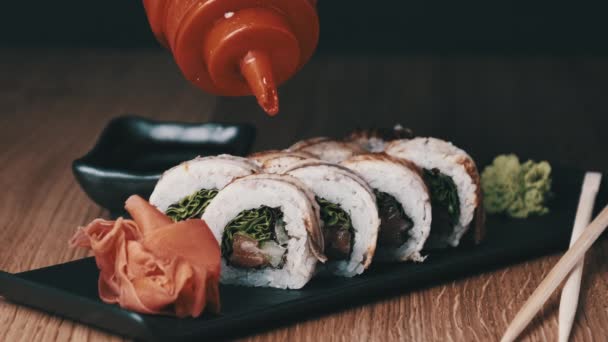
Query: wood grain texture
[
  {"x": 556, "y": 276},
  {"x": 54, "y": 103},
  {"x": 568, "y": 302}
]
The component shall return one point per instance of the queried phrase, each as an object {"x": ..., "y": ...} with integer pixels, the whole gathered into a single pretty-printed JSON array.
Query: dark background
[
  {"x": 390, "y": 26},
  {"x": 494, "y": 77}
]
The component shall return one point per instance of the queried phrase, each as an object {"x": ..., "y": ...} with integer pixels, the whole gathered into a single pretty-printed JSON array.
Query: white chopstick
[
  {"x": 569, "y": 299},
  {"x": 557, "y": 274}
]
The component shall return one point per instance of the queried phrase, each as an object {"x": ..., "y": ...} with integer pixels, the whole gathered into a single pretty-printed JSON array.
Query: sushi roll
[
  {"x": 184, "y": 191},
  {"x": 349, "y": 216},
  {"x": 278, "y": 161},
  {"x": 375, "y": 140},
  {"x": 333, "y": 151},
  {"x": 454, "y": 183},
  {"x": 268, "y": 229},
  {"x": 403, "y": 204}
]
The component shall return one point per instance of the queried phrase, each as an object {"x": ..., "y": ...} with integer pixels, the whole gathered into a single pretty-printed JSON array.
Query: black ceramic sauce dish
[{"x": 132, "y": 153}]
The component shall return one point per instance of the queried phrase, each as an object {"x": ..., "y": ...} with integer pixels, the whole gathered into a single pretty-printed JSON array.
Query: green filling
[
  {"x": 333, "y": 215},
  {"x": 258, "y": 224},
  {"x": 388, "y": 203},
  {"x": 191, "y": 206},
  {"x": 444, "y": 194}
]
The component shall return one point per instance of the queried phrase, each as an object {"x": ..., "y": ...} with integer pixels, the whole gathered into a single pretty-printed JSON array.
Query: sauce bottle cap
[{"x": 237, "y": 47}]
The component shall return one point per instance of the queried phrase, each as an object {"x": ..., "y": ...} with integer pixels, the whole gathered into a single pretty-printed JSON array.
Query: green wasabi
[{"x": 515, "y": 189}]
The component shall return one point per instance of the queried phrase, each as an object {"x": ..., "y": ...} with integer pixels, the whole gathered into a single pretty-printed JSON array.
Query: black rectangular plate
[{"x": 70, "y": 289}]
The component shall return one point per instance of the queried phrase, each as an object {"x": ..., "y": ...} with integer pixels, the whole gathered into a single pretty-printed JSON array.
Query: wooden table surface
[{"x": 53, "y": 104}]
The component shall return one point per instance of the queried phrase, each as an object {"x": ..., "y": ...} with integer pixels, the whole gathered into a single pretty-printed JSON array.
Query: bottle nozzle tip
[
  {"x": 269, "y": 101},
  {"x": 257, "y": 71}
]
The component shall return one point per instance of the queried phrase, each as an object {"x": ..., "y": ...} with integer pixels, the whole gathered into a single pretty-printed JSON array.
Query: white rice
[
  {"x": 341, "y": 186},
  {"x": 433, "y": 153},
  {"x": 251, "y": 192},
  {"x": 200, "y": 173},
  {"x": 394, "y": 178}
]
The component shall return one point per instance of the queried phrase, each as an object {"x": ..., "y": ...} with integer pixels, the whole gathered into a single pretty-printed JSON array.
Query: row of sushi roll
[{"x": 327, "y": 206}]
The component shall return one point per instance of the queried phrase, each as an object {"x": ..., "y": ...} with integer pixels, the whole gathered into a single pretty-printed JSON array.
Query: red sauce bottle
[{"x": 237, "y": 47}]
